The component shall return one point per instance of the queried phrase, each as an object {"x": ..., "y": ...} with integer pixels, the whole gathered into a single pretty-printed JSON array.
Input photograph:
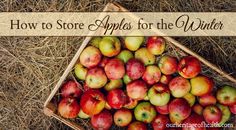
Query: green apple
[
  {"x": 113, "y": 84},
  {"x": 145, "y": 56},
  {"x": 144, "y": 112},
  {"x": 225, "y": 113},
  {"x": 95, "y": 41},
  {"x": 226, "y": 95},
  {"x": 190, "y": 98},
  {"x": 125, "y": 55},
  {"x": 159, "y": 94},
  {"x": 126, "y": 79},
  {"x": 83, "y": 115},
  {"x": 110, "y": 46},
  {"x": 80, "y": 71},
  {"x": 134, "y": 42}
]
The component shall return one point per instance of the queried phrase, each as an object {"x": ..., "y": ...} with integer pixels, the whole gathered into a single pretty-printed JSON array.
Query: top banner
[{"x": 118, "y": 24}]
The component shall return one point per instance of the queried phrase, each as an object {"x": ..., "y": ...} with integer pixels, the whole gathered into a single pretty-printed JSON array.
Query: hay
[{"x": 30, "y": 66}]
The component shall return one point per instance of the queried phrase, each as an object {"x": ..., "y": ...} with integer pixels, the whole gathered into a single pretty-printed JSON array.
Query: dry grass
[{"x": 30, "y": 66}]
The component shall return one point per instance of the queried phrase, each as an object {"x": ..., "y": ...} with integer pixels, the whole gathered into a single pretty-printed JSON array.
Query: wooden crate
[{"x": 176, "y": 49}]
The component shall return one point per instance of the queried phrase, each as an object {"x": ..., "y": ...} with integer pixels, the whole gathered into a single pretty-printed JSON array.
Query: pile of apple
[{"x": 130, "y": 83}]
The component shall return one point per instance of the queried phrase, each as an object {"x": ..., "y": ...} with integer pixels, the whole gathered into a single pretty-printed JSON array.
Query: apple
[
  {"x": 137, "y": 125},
  {"x": 126, "y": 79},
  {"x": 135, "y": 69},
  {"x": 137, "y": 89},
  {"x": 133, "y": 42},
  {"x": 90, "y": 57},
  {"x": 113, "y": 84},
  {"x": 92, "y": 102},
  {"x": 125, "y": 55},
  {"x": 190, "y": 98},
  {"x": 115, "y": 69},
  {"x": 144, "y": 112},
  {"x": 201, "y": 85},
  {"x": 102, "y": 121},
  {"x": 103, "y": 62},
  {"x": 233, "y": 109},
  {"x": 152, "y": 74},
  {"x": 110, "y": 46},
  {"x": 226, "y": 95},
  {"x": 225, "y": 113},
  {"x": 116, "y": 98},
  {"x": 168, "y": 64},
  {"x": 68, "y": 107},
  {"x": 80, "y": 71},
  {"x": 145, "y": 56},
  {"x": 179, "y": 110},
  {"x": 156, "y": 45},
  {"x": 194, "y": 122},
  {"x": 123, "y": 117},
  {"x": 107, "y": 106},
  {"x": 162, "y": 109},
  {"x": 212, "y": 114},
  {"x": 160, "y": 121},
  {"x": 96, "y": 78},
  {"x": 86, "y": 87},
  {"x": 130, "y": 103},
  {"x": 165, "y": 79},
  {"x": 95, "y": 41},
  {"x": 207, "y": 99},
  {"x": 197, "y": 108},
  {"x": 159, "y": 94},
  {"x": 189, "y": 67},
  {"x": 179, "y": 86},
  {"x": 83, "y": 115},
  {"x": 71, "y": 89}
]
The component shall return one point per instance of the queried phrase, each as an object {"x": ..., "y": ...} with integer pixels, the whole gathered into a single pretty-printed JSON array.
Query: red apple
[
  {"x": 135, "y": 69},
  {"x": 226, "y": 95},
  {"x": 194, "y": 122},
  {"x": 160, "y": 121},
  {"x": 123, "y": 117},
  {"x": 201, "y": 85},
  {"x": 130, "y": 103},
  {"x": 86, "y": 87},
  {"x": 71, "y": 89},
  {"x": 162, "y": 109},
  {"x": 152, "y": 74},
  {"x": 102, "y": 121},
  {"x": 96, "y": 78},
  {"x": 189, "y": 67},
  {"x": 212, "y": 114},
  {"x": 159, "y": 94},
  {"x": 197, "y": 108},
  {"x": 68, "y": 107},
  {"x": 92, "y": 102},
  {"x": 179, "y": 110},
  {"x": 233, "y": 109},
  {"x": 156, "y": 45},
  {"x": 179, "y": 86},
  {"x": 103, "y": 62},
  {"x": 115, "y": 69},
  {"x": 90, "y": 57},
  {"x": 168, "y": 65},
  {"x": 207, "y": 99},
  {"x": 116, "y": 98},
  {"x": 165, "y": 79},
  {"x": 137, "y": 89},
  {"x": 137, "y": 126}
]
